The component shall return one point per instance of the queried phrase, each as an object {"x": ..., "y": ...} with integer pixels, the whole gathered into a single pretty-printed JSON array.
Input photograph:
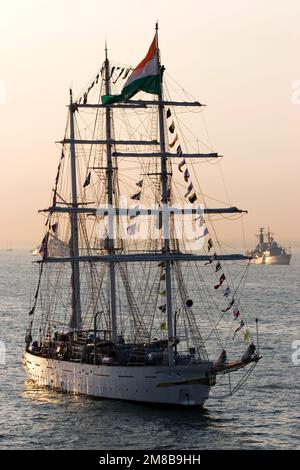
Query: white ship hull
[
  {"x": 163, "y": 385},
  {"x": 279, "y": 259}
]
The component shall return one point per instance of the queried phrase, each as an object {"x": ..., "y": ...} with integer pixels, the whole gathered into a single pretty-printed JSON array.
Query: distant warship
[{"x": 269, "y": 251}]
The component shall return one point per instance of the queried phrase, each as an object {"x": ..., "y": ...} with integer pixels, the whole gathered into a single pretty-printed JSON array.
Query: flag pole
[{"x": 165, "y": 192}]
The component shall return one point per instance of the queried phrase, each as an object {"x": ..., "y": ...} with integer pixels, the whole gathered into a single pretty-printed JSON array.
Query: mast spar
[
  {"x": 165, "y": 199},
  {"x": 75, "y": 321},
  {"x": 109, "y": 170}
]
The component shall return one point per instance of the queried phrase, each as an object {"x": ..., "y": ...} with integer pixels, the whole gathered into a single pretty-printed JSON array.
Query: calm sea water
[{"x": 265, "y": 414}]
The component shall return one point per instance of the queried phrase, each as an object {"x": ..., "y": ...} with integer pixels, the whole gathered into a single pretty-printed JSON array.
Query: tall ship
[
  {"x": 268, "y": 251},
  {"x": 133, "y": 299}
]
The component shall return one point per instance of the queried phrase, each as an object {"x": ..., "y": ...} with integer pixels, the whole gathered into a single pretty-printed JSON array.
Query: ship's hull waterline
[
  {"x": 280, "y": 259},
  {"x": 187, "y": 386}
]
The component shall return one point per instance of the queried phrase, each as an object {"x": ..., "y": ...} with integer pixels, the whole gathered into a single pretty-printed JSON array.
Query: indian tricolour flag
[{"x": 145, "y": 77}]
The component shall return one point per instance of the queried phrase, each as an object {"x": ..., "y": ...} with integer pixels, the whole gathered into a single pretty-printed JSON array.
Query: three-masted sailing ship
[{"x": 128, "y": 305}]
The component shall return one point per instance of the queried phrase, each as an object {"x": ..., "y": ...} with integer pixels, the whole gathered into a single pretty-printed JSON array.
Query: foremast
[
  {"x": 75, "y": 321},
  {"x": 110, "y": 192},
  {"x": 165, "y": 202}
]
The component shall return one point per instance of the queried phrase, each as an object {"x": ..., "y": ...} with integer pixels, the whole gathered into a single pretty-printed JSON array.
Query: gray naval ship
[{"x": 268, "y": 251}]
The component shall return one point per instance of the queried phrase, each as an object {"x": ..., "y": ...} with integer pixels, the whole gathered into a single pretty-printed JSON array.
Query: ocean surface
[{"x": 264, "y": 414}]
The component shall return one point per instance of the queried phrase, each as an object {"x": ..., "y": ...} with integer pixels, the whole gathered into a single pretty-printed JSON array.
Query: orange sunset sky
[{"x": 240, "y": 57}]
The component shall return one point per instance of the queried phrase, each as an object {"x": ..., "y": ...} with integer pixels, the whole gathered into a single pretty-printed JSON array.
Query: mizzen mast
[{"x": 165, "y": 202}]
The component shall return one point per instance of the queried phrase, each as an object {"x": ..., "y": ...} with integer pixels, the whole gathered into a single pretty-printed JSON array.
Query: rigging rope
[{"x": 238, "y": 386}]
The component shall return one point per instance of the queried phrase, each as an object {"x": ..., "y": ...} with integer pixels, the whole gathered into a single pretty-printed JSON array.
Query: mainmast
[
  {"x": 76, "y": 305},
  {"x": 165, "y": 202},
  {"x": 113, "y": 310}
]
